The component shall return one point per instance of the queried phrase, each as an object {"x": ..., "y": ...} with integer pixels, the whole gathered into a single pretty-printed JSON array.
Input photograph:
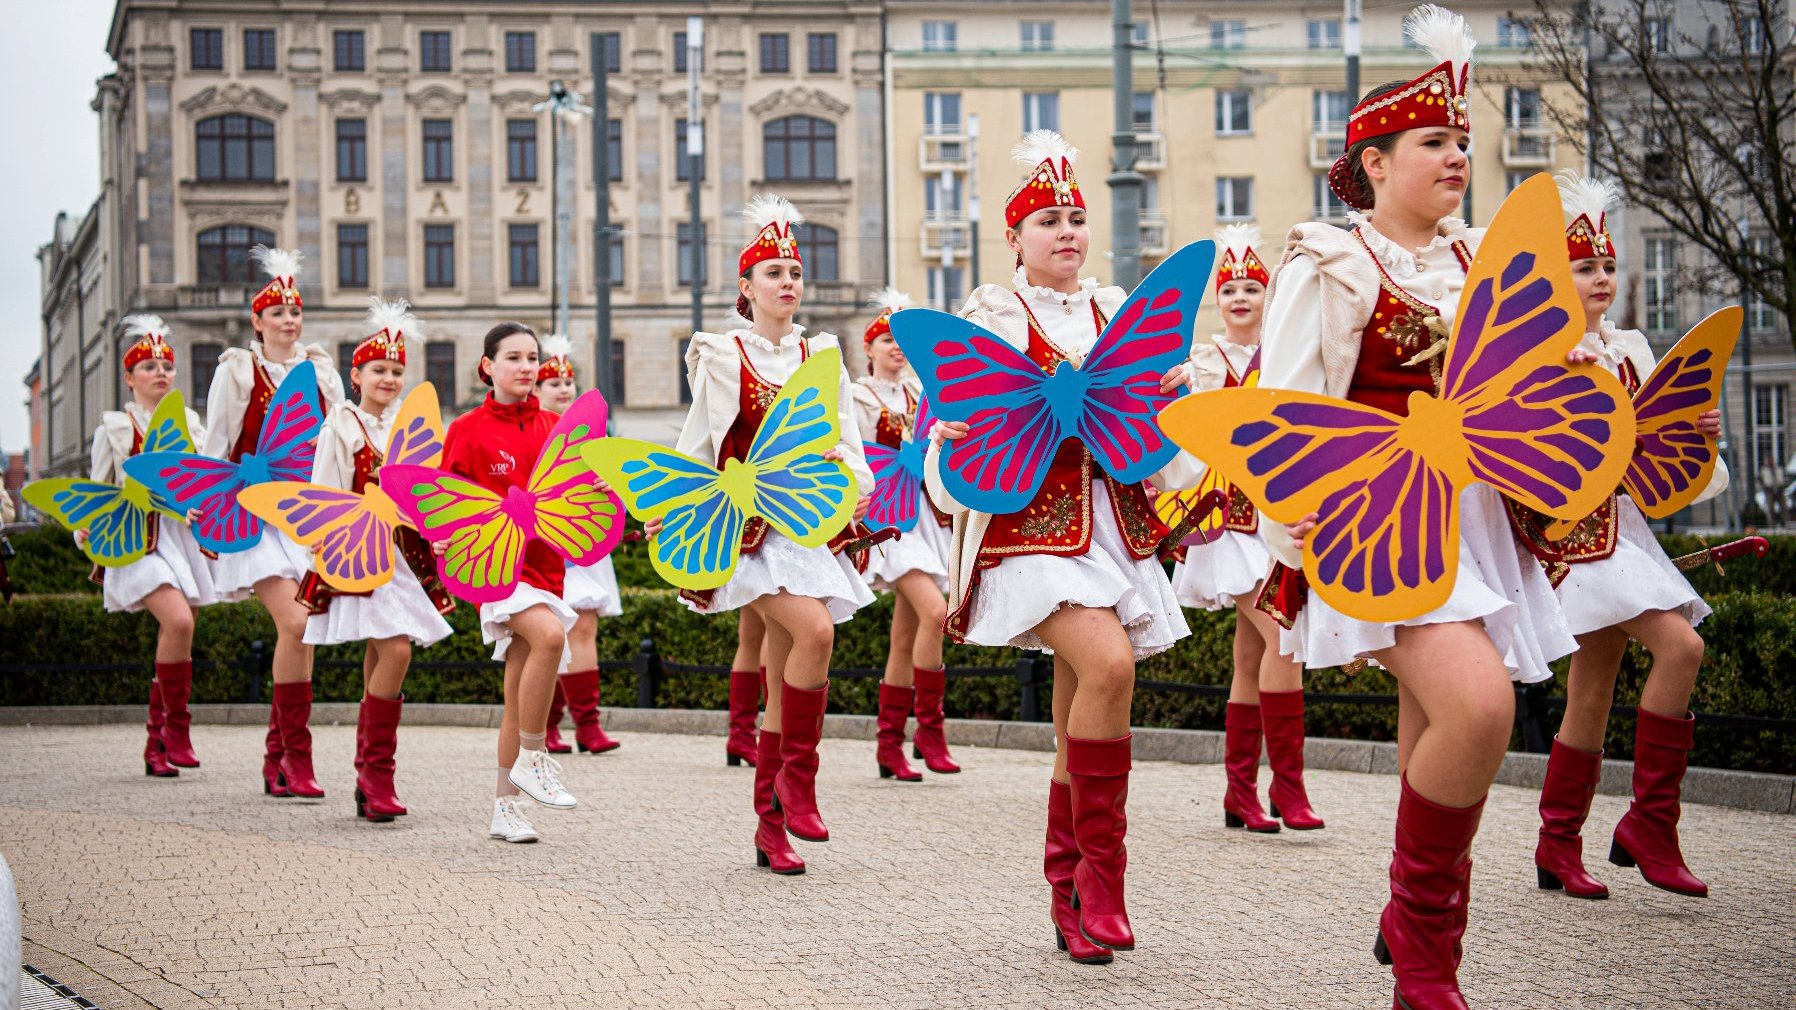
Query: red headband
[{"x": 148, "y": 347}]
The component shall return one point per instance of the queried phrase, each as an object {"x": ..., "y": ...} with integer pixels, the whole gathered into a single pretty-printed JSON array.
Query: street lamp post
[
  {"x": 1124, "y": 180},
  {"x": 601, "y": 220},
  {"x": 973, "y": 199},
  {"x": 695, "y": 160}
]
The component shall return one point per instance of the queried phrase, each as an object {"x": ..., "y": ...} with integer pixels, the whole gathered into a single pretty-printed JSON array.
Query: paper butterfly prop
[
  {"x": 1510, "y": 413},
  {"x": 117, "y": 519},
  {"x": 283, "y": 453},
  {"x": 351, "y": 532},
  {"x": 898, "y": 477},
  {"x": 783, "y": 480},
  {"x": 1019, "y": 414},
  {"x": 487, "y": 530},
  {"x": 1200, "y": 509}
]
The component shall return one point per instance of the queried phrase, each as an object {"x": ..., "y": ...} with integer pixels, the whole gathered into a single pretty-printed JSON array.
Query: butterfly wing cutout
[
  {"x": 486, "y": 545},
  {"x": 1672, "y": 460},
  {"x": 804, "y": 496},
  {"x": 417, "y": 436},
  {"x": 117, "y": 526},
  {"x": 581, "y": 522},
  {"x": 351, "y": 535},
  {"x": 704, "y": 511}
]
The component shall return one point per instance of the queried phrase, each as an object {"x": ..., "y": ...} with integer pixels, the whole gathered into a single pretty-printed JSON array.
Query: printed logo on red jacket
[{"x": 506, "y": 464}]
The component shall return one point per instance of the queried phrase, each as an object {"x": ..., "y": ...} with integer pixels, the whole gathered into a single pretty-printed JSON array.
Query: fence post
[
  {"x": 1531, "y": 713},
  {"x": 647, "y": 663},
  {"x": 257, "y": 662},
  {"x": 1028, "y": 678}
]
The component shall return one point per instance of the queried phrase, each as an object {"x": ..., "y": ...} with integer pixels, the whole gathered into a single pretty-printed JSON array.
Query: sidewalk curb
[{"x": 1715, "y": 786}]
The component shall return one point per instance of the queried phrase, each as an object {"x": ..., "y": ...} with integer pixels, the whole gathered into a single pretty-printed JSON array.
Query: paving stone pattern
[{"x": 201, "y": 892}]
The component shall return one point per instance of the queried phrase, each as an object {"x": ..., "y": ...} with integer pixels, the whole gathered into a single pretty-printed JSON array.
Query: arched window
[
  {"x": 234, "y": 147},
  {"x": 799, "y": 148},
  {"x": 821, "y": 251},
  {"x": 224, "y": 253}
]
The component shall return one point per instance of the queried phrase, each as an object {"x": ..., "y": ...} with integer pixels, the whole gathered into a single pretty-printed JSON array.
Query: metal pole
[
  {"x": 601, "y": 222},
  {"x": 561, "y": 226},
  {"x": 972, "y": 200},
  {"x": 1125, "y": 182},
  {"x": 695, "y": 160},
  {"x": 947, "y": 219},
  {"x": 1350, "y": 43}
]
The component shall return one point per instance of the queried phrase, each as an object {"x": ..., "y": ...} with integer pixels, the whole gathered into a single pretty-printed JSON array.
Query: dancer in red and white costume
[
  {"x": 799, "y": 593},
  {"x": 408, "y": 610},
  {"x": 1073, "y": 573},
  {"x": 1266, "y": 689},
  {"x": 590, "y": 589},
  {"x": 1616, "y": 583},
  {"x": 1348, "y": 313},
  {"x": 174, "y": 577},
  {"x": 271, "y": 571},
  {"x": 914, "y": 567}
]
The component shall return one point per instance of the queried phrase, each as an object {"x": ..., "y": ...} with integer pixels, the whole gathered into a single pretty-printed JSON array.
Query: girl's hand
[
  {"x": 439, "y": 547},
  {"x": 81, "y": 538},
  {"x": 860, "y": 508},
  {"x": 600, "y": 486},
  {"x": 1579, "y": 356},
  {"x": 953, "y": 431},
  {"x": 193, "y": 516},
  {"x": 650, "y": 527},
  {"x": 1173, "y": 379},
  {"x": 1709, "y": 423},
  {"x": 1300, "y": 529},
  {"x": 835, "y": 454}
]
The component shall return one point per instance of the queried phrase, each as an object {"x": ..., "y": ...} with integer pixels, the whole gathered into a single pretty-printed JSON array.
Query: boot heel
[
  {"x": 733, "y": 760},
  {"x": 1059, "y": 939},
  {"x": 884, "y": 772},
  {"x": 1548, "y": 881},
  {"x": 1381, "y": 952},
  {"x": 1231, "y": 821},
  {"x": 916, "y": 752},
  {"x": 1620, "y": 856},
  {"x": 761, "y": 858},
  {"x": 361, "y": 804},
  {"x": 1272, "y": 811}
]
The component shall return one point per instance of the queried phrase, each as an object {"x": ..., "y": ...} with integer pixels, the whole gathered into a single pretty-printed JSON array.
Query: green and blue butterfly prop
[{"x": 784, "y": 480}]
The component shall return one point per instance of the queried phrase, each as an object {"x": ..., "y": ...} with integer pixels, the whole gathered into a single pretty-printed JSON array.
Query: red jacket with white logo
[{"x": 495, "y": 445}]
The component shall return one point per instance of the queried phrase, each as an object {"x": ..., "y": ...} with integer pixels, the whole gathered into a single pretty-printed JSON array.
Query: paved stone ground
[{"x": 200, "y": 892}]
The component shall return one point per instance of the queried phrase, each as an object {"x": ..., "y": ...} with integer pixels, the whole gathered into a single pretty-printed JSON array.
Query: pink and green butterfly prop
[{"x": 486, "y": 531}]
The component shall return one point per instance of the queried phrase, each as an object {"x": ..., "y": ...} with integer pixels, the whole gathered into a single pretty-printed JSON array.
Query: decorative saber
[
  {"x": 871, "y": 540},
  {"x": 1215, "y": 501},
  {"x": 1755, "y": 546}
]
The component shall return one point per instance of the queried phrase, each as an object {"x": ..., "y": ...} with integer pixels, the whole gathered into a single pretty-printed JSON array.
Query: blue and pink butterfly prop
[
  {"x": 192, "y": 482},
  {"x": 1019, "y": 414},
  {"x": 898, "y": 477}
]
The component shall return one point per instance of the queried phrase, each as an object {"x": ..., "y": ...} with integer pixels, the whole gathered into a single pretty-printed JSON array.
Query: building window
[
  {"x": 614, "y": 150},
  {"x": 940, "y": 36},
  {"x": 1234, "y": 112},
  {"x": 1323, "y": 33},
  {"x": 345, "y": 362},
  {"x": 947, "y": 287},
  {"x": 1514, "y": 178},
  {"x": 1038, "y": 36},
  {"x": 1234, "y": 198},
  {"x": 1141, "y": 112},
  {"x": 821, "y": 251},
  {"x": 820, "y": 50},
  {"x": 1769, "y": 403},
  {"x": 1759, "y": 317},
  {"x": 1752, "y": 34},
  {"x": 433, "y": 52},
  {"x": 1659, "y": 285},
  {"x": 439, "y": 370},
  {"x": 520, "y": 150},
  {"x": 1512, "y": 32},
  {"x": 520, "y": 52},
  {"x": 1150, "y": 195},
  {"x": 683, "y": 161},
  {"x": 202, "y": 364},
  {"x": 206, "y": 48},
  {"x": 1658, "y": 34},
  {"x": 526, "y": 257},
  {"x": 679, "y": 54},
  {"x": 613, "y": 46},
  {"x": 1326, "y": 205},
  {"x": 350, "y": 51},
  {"x": 941, "y": 113},
  {"x": 619, "y": 371},
  {"x": 352, "y": 255},
  {"x": 1228, "y": 33},
  {"x": 258, "y": 49},
  {"x": 776, "y": 53},
  {"x": 1329, "y": 110},
  {"x": 224, "y": 253},
  {"x": 352, "y": 150},
  {"x": 798, "y": 148},
  {"x": 234, "y": 148},
  {"x": 617, "y": 258},
  {"x": 439, "y": 150},
  {"x": 1041, "y": 110},
  {"x": 1138, "y": 33},
  {"x": 1522, "y": 108},
  {"x": 941, "y": 198},
  {"x": 684, "y": 251},
  {"x": 439, "y": 255}
]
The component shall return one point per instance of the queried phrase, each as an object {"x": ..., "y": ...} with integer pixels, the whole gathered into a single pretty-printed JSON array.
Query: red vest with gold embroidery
[
  {"x": 1395, "y": 334},
  {"x": 1058, "y": 521},
  {"x": 261, "y": 394},
  {"x": 1240, "y": 516}
]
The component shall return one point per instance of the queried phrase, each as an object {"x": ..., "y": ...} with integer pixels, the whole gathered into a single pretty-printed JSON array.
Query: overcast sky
[{"x": 50, "y": 56}]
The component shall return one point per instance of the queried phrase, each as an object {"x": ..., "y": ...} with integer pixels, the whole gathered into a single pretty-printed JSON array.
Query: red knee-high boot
[
  {"x": 1647, "y": 834},
  {"x": 271, "y": 757},
  {"x": 155, "y": 754},
  {"x": 931, "y": 739},
  {"x": 1100, "y": 773},
  {"x": 1059, "y": 858},
  {"x": 1281, "y": 712},
  {"x": 795, "y": 787},
  {"x": 176, "y": 681},
  {"x": 1419, "y": 933},
  {"x": 582, "y": 690},
  {"x": 894, "y": 711},
  {"x": 1565, "y": 796},
  {"x": 293, "y": 710},
  {"x": 1241, "y": 749},
  {"x": 374, "y": 795},
  {"x": 745, "y": 701},
  {"x": 772, "y": 848},
  {"x": 552, "y": 741}
]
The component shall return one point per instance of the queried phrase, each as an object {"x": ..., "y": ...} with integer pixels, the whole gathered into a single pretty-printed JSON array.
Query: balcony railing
[
  {"x": 946, "y": 228},
  {"x": 1527, "y": 147},
  {"x": 1326, "y": 144},
  {"x": 946, "y": 149},
  {"x": 1150, "y": 151},
  {"x": 1154, "y": 232}
]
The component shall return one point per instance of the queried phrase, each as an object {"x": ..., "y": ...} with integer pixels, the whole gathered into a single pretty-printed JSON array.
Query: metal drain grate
[{"x": 38, "y": 991}]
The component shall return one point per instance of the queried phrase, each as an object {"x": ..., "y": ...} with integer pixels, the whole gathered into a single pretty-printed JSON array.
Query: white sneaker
[
  {"x": 509, "y": 821},
  {"x": 539, "y": 776}
]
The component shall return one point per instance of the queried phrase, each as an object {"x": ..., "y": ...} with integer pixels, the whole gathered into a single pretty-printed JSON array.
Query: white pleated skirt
[
  {"x": 399, "y": 609},
  {"x": 495, "y": 631},
  {"x": 1014, "y": 597},
  {"x": 1222, "y": 573},
  {"x": 176, "y": 562},
  {"x": 924, "y": 549},
  {"x": 1639, "y": 577},
  {"x": 234, "y": 576},
  {"x": 593, "y": 588},
  {"x": 780, "y": 565}
]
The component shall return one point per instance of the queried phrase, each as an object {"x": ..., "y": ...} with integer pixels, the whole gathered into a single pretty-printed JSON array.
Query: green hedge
[{"x": 1752, "y": 649}]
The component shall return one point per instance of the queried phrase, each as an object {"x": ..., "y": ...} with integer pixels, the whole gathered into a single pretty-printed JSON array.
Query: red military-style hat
[
  {"x": 1049, "y": 182},
  {"x": 555, "y": 363},
  {"x": 772, "y": 218},
  {"x": 887, "y": 301},
  {"x": 1586, "y": 202},
  {"x": 1239, "y": 261},
  {"x": 149, "y": 340},
  {"x": 282, "y": 268}
]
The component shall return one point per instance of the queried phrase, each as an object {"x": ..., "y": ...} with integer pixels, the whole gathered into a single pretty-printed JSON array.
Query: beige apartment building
[
  {"x": 1239, "y": 111},
  {"x": 400, "y": 148}
]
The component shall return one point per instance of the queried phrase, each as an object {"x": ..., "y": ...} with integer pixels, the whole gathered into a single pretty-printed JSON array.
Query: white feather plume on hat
[
  {"x": 766, "y": 209},
  {"x": 889, "y": 300},
  {"x": 1581, "y": 194},
  {"x": 1442, "y": 33},
  {"x": 556, "y": 345},
  {"x": 277, "y": 262},
  {"x": 395, "y": 317},
  {"x": 1041, "y": 145},
  {"x": 141, "y": 325},
  {"x": 1239, "y": 237}
]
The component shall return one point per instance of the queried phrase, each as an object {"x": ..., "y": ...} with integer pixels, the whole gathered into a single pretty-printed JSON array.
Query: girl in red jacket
[{"x": 495, "y": 445}]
